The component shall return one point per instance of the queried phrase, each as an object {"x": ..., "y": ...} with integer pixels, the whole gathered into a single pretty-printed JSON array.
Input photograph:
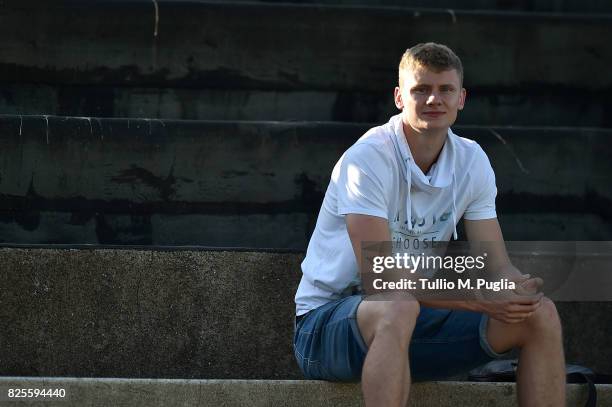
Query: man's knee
[
  {"x": 545, "y": 320},
  {"x": 543, "y": 325},
  {"x": 396, "y": 316}
]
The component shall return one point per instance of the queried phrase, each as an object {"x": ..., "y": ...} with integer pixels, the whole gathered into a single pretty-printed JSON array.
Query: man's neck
[{"x": 425, "y": 146}]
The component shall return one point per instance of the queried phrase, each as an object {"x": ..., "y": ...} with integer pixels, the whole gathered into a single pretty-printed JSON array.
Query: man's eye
[{"x": 419, "y": 91}]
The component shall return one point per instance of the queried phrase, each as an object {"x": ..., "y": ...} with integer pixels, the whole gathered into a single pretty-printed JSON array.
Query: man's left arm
[
  {"x": 488, "y": 233},
  {"x": 480, "y": 220}
]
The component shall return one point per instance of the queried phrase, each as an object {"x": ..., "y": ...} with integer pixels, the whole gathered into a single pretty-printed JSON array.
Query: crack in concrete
[
  {"x": 156, "y": 26},
  {"x": 100, "y": 126},
  {"x": 47, "y": 133},
  {"x": 511, "y": 151},
  {"x": 90, "y": 126}
]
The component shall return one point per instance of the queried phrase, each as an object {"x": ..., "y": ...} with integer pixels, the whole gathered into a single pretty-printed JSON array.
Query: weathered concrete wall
[
  {"x": 181, "y": 314},
  {"x": 184, "y": 314},
  {"x": 89, "y": 180},
  {"x": 280, "y": 61}
]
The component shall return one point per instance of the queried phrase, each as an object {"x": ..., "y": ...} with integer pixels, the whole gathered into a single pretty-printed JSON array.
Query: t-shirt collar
[{"x": 441, "y": 173}]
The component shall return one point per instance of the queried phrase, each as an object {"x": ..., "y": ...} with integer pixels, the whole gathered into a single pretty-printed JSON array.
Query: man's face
[{"x": 429, "y": 100}]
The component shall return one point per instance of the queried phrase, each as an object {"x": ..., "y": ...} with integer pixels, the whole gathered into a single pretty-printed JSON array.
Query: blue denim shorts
[{"x": 445, "y": 343}]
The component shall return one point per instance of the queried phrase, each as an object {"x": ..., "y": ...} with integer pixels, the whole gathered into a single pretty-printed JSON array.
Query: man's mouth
[{"x": 434, "y": 114}]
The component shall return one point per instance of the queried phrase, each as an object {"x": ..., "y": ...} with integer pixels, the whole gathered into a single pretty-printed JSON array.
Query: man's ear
[
  {"x": 397, "y": 96},
  {"x": 462, "y": 98}
]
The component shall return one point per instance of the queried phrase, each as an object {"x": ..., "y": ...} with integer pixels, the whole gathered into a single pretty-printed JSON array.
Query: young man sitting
[{"x": 412, "y": 179}]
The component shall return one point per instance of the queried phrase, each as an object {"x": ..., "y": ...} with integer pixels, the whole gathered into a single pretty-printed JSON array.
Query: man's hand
[
  {"x": 517, "y": 305},
  {"x": 514, "y": 306},
  {"x": 511, "y": 310},
  {"x": 527, "y": 285}
]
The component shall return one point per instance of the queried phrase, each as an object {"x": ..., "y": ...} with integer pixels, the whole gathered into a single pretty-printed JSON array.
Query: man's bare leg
[
  {"x": 541, "y": 371},
  {"x": 386, "y": 327}
]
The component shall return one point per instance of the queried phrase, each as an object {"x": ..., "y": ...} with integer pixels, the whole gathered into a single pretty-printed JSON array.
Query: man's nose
[{"x": 434, "y": 98}]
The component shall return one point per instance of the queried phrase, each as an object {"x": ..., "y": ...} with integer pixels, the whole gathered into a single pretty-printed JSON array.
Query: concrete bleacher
[
  {"x": 185, "y": 326},
  {"x": 202, "y": 60},
  {"x": 303, "y": 91},
  {"x": 215, "y": 125},
  {"x": 255, "y": 184},
  {"x": 192, "y": 313}
]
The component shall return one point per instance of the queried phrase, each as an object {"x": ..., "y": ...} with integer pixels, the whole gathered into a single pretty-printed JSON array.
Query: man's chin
[{"x": 434, "y": 125}]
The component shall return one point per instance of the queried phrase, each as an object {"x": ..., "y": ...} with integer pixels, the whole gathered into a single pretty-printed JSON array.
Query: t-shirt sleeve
[
  {"x": 484, "y": 190},
  {"x": 364, "y": 178}
]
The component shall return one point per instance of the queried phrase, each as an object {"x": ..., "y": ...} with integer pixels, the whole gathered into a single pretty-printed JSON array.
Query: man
[{"x": 411, "y": 180}]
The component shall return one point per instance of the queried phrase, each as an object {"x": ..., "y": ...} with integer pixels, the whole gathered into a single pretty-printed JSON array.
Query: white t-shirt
[{"x": 372, "y": 178}]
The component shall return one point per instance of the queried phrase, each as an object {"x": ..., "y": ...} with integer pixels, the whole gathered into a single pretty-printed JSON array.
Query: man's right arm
[{"x": 366, "y": 228}]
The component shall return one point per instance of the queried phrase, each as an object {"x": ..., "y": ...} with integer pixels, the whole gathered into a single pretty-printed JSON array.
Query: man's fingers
[
  {"x": 523, "y": 308},
  {"x": 516, "y": 318},
  {"x": 521, "y": 278},
  {"x": 526, "y": 299},
  {"x": 509, "y": 320},
  {"x": 533, "y": 283},
  {"x": 529, "y": 286}
]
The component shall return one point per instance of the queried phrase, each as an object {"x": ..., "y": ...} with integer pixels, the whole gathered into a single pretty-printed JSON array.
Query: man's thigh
[
  {"x": 328, "y": 344},
  {"x": 398, "y": 309}
]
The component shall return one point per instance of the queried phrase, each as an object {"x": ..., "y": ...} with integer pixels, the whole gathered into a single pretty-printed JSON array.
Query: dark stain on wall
[{"x": 137, "y": 175}]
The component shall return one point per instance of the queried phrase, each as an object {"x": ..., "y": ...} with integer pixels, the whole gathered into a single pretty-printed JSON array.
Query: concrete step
[
  {"x": 495, "y": 106},
  {"x": 179, "y": 52},
  {"x": 270, "y": 393},
  {"x": 334, "y": 61},
  {"x": 557, "y": 6},
  {"x": 198, "y": 313},
  {"x": 114, "y": 181},
  {"x": 255, "y": 230}
]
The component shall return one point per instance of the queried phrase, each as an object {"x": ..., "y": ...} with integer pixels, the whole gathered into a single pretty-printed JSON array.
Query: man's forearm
[{"x": 507, "y": 271}]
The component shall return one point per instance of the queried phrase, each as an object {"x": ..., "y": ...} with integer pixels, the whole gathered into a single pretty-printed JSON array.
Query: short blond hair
[{"x": 436, "y": 57}]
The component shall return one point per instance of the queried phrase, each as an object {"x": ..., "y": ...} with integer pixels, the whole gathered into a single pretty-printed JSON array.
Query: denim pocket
[
  {"x": 299, "y": 358},
  {"x": 301, "y": 347}
]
